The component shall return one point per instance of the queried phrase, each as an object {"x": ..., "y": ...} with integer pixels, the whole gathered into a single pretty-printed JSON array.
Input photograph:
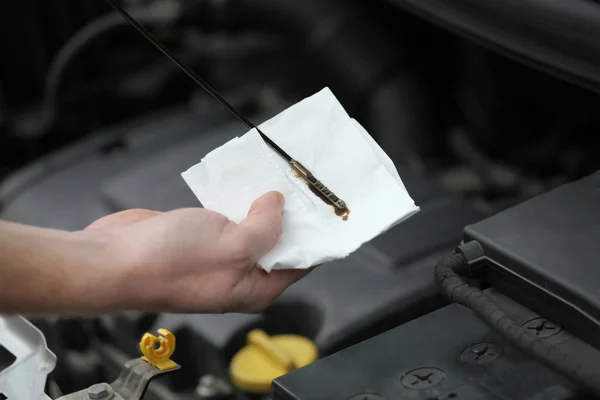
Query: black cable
[
  {"x": 78, "y": 42},
  {"x": 196, "y": 78},
  {"x": 190, "y": 72},
  {"x": 453, "y": 286}
]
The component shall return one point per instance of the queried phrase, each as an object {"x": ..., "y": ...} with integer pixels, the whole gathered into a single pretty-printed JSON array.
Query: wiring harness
[{"x": 450, "y": 273}]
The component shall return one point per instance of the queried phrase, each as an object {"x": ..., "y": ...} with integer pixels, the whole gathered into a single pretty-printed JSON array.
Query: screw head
[
  {"x": 541, "y": 327},
  {"x": 366, "y": 396},
  {"x": 422, "y": 378},
  {"x": 481, "y": 353},
  {"x": 99, "y": 391}
]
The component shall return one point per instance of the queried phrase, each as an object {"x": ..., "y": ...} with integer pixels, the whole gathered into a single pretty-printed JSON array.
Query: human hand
[{"x": 196, "y": 260}]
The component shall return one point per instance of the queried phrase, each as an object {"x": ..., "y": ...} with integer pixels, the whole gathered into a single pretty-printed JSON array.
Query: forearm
[{"x": 44, "y": 270}]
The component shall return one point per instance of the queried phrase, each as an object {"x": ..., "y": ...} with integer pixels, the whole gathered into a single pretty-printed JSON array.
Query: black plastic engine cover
[
  {"x": 448, "y": 354},
  {"x": 545, "y": 254}
]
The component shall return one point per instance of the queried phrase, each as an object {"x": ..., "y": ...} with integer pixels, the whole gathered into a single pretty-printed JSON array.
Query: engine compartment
[
  {"x": 471, "y": 132},
  {"x": 521, "y": 326},
  {"x": 465, "y": 360},
  {"x": 384, "y": 284}
]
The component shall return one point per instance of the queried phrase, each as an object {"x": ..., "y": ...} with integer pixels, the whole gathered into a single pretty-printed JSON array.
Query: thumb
[{"x": 263, "y": 227}]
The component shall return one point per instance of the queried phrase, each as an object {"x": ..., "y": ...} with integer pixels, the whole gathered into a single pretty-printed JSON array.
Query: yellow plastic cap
[
  {"x": 159, "y": 357},
  {"x": 266, "y": 357}
]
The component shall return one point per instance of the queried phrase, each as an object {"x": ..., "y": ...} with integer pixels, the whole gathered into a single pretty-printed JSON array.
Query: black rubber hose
[
  {"x": 371, "y": 65},
  {"x": 448, "y": 278}
]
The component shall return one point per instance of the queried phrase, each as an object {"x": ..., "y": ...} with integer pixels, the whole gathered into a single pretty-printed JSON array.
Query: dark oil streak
[{"x": 340, "y": 213}]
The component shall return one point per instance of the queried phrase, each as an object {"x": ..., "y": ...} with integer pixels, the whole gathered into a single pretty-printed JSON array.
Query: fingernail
[{"x": 281, "y": 200}]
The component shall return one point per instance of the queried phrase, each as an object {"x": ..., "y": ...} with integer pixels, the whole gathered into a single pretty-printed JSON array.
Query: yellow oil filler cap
[{"x": 265, "y": 358}]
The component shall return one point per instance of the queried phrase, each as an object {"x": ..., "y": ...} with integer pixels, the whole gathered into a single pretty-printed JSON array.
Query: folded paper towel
[{"x": 318, "y": 132}]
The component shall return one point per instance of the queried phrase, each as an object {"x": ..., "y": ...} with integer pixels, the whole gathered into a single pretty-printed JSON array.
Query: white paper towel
[{"x": 318, "y": 133}]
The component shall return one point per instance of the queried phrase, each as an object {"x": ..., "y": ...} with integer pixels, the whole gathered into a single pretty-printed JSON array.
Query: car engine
[{"x": 496, "y": 148}]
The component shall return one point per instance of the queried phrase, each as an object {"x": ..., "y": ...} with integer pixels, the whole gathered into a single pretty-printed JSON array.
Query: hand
[{"x": 195, "y": 260}]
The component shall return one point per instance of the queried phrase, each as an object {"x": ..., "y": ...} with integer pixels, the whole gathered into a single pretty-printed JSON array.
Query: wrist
[
  {"x": 46, "y": 270},
  {"x": 100, "y": 273}
]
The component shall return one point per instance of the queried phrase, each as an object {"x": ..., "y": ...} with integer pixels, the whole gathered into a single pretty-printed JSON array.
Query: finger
[
  {"x": 269, "y": 286},
  {"x": 260, "y": 288},
  {"x": 278, "y": 281},
  {"x": 261, "y": 230},
  {"x": 122, "y": 218}
]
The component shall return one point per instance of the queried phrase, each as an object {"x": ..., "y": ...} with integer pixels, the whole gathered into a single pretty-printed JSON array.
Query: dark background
[{"x": 484, "y": 125}]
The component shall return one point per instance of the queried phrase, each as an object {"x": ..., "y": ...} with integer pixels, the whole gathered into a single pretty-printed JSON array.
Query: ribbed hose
[{"x": 453, "y": 286}]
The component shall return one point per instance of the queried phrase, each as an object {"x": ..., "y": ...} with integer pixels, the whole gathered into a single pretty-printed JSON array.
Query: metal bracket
[
  {"x": 130, "y": 385},
  {"x": 26, "y": 378}
]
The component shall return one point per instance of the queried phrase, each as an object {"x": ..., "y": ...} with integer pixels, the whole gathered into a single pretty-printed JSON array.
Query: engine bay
[{"x": 494, "y": 151}]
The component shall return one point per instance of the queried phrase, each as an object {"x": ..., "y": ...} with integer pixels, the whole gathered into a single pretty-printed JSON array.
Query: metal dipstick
[{"x": 314, "y": 182}]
